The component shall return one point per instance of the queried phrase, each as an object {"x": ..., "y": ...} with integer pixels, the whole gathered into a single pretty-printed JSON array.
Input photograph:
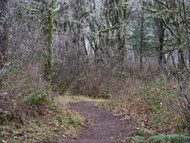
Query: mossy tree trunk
[
  {"x": 141, "y": 44},
  {"x": 50, "y": 17},
  {"x": 161, "y": 40},
  {"x": 187, "y": 29},
  {"x": 181, "y": 51},
  {"x": 3, "y": 33},
  {"x": 50, "y": 43}
]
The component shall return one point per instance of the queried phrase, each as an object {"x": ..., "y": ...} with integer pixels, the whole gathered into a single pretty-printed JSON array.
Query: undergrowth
[
  {"x": 29, "y": 111},
  {"x": 184, "y": 138},
  {"x": 154, "y": 107}
]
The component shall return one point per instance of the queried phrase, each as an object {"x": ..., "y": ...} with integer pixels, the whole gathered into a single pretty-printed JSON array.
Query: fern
[
  {"x": 35, "y": 95},
  {"x": 173, "y": 137}
]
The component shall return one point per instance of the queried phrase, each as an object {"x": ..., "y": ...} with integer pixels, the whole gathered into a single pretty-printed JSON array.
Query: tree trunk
[
  {"x": 187, "y": 30},
  {"x": 3, "y": 33},
  {"x": 181, "y": 50},
  {"x": 141, "y": 45},
  {"x": 179, "y": 39},
  {"x": 50, "y": 44},
  {"x": 161, "y": 40}
]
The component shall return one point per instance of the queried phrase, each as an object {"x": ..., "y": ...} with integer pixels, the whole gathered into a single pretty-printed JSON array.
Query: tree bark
[
  {"x": 187, "y": 30},
  {"x": 142, "y": 30},
  {"x": 161, "y": 40},
  {"x": 3, "y": 33},
  {"x": 180, "y": 49}
]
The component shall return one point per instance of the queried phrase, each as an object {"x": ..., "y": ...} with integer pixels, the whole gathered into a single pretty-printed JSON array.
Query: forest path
[{"x": 101, "y": 125}]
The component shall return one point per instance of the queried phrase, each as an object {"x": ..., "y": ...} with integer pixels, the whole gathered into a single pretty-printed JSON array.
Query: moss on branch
[
  {"x": 169, "y": 28},
  {"x": 151, "y": 10},
  {"x": 84, "y": 14},
  {"x": 34, "y": 10},
  {"x": 57, "y": 8},
  {"x": 105, "y": 30}
]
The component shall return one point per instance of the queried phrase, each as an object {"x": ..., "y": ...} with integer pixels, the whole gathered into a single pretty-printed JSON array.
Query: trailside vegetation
[{"x": 134, "y": 53}]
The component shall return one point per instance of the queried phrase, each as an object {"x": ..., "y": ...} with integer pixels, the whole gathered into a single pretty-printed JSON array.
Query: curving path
[{"x": 101, "y": 125}]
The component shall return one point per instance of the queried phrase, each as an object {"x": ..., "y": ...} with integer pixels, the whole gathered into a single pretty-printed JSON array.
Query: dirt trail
[{"x": 101, "y": 125}]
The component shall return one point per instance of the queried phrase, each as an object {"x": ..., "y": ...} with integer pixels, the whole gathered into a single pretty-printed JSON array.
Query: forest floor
[
  {"x": 79, "y": 120},
  {"x": 101, "y": 125}
]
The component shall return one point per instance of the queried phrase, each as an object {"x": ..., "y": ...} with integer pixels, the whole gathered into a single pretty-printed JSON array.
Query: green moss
[
  {"x": 50, "y": 36},
  {"x": 34, "y": 10}
]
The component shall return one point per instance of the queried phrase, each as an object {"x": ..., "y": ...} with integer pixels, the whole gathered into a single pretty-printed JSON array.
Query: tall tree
[
  {"x": 50, "y": 17},
  {"x": 183, "y": 15},
  {"x": 142, "y": 30},
  {"x": 3, "y": 33},
  {"x": 161, "y": 42},
  {"x": 170, "y": 10}
]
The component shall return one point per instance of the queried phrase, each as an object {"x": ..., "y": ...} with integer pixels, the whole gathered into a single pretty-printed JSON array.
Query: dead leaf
[
  {"x": 31, "y": 130},
  {"x": 15, "y": 137},
  {"x": 4, "y": 132},
  {"x": 56, "y": 129},
  {"x": 4, "y": 141},
  {"x": 64, "y": 136},
  {"x": 57, "y": 125},
  {"x": 18, "y": 133}
]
